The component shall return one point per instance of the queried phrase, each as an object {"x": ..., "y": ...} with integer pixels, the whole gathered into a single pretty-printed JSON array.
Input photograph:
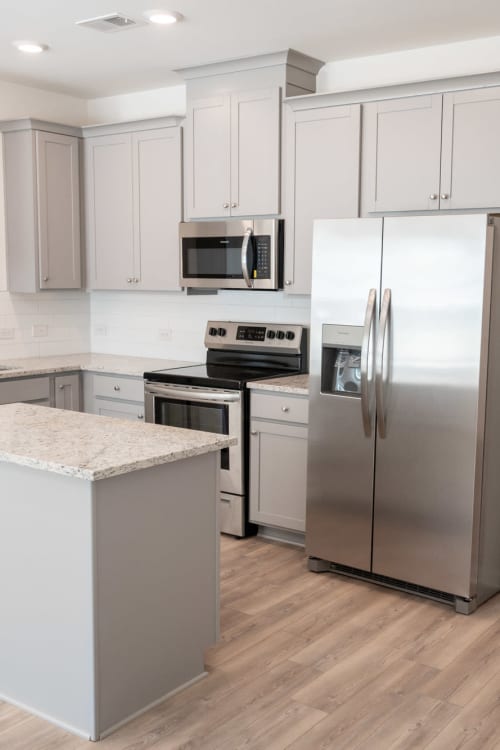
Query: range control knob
[
  {"x": 280, "y": 334},
  {"x": 271, "y": 335},
  {"x": 290, "y": 335},
  {"x": 212, "y": 331},
  {"x": 222, "y": 331}
]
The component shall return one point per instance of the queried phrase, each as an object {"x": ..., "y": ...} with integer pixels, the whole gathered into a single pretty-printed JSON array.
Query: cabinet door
[
  {"x": 207, "y": 152},
  {"x": 67, "y": 392},
  {"x": 470, "y": 165},
  {"x": 25, "y": 390},
  {"x": 157, "y": 210},
  {"x": 255, "y": 153},
  {"x": 278, "y": 466},
  {"x": 401, "y": 160},
  {"x": 109, "y": 206},
  {"x": 322, "y": 181},
  {"x": 58, "y": 194}
]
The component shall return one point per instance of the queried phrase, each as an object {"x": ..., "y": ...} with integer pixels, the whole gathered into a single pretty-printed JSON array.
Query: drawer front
[
  {"x": 27, "y": 389},
  {"x": 280, "y": 406},
  {"x": 128, "y": 389},
  {"x": 118, "y": 410}
]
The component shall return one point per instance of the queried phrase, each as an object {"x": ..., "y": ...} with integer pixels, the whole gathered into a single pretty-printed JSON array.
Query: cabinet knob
[
  {"x": 225, "y": 205},
  {"x": 45, "y": 278},
  {"x": 253, "y": 432},
  {"x": 140, "y": 416},
  {"x": 433, "y": 196},
  {"x": 444, "y": 196},
  {"x": 234, "y": 205},
  {"x": 136, "y": 281},
  {"x": 288, "y": 282},
  {"x": 116, "y": 387},
  {"x": 129, "y": 281},
  {"x": 60, "y": 387},
  {"x": 285, "y": 408}
]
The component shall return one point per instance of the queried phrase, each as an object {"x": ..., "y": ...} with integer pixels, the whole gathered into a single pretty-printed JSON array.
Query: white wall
[
  {"x": 170, "y": 100},
  {"x": 66, "y": 314}
]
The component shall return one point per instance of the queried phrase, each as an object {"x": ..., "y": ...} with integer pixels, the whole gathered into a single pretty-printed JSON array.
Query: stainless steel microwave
[{"x": 233, "y": 254}]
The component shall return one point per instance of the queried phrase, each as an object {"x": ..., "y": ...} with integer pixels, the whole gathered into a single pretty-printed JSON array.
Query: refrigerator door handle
[
  {"x": 366, "y": 391},
  {"x": 379, "y": 373}
]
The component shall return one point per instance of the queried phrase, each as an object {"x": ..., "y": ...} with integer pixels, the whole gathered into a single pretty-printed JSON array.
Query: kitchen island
[{"x": 109, "y": 554}]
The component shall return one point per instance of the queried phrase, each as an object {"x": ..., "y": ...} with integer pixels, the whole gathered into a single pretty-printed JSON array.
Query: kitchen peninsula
[{"x": 99, "y": 517}]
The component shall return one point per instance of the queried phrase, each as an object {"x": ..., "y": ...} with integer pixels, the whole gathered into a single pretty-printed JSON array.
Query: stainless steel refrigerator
[{"x": 404, "y": 435}]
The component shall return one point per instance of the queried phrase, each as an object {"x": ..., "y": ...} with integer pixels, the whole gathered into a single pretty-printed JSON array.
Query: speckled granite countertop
[
  {"x": 92, "y": 447},
  {"x": 298, "y": 384},
  {"x": 112, "y": 363}
]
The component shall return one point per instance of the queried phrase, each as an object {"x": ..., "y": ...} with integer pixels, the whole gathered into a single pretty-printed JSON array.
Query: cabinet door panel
[
  {"x": 470, "y": 166},
  {"x": 322, "y": 181},
  {"x": 401, "y": 163},
  {"x": 255, "y": 153},
  {"x": 157, "y": 181},
  {"x": 67, "y": 392},
  {"x": 278, "y": 467},
  {"x": 110, "y": 211},
  {"x": 58, "y": 193},
  {"x": 207, "y": 172}
]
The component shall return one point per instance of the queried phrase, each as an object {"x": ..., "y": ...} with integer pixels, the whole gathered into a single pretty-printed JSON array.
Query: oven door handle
[
  {"x": 244, "y": 257},
  {"x": 188, "y": 395}
]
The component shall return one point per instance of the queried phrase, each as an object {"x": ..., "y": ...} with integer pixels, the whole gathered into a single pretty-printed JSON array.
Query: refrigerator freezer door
[
  {"x": 427, "y": 453},
  {"x": 346, "y": 283}
]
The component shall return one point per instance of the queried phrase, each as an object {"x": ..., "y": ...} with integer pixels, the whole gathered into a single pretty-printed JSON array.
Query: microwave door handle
[{"x": 244, "y": 257}]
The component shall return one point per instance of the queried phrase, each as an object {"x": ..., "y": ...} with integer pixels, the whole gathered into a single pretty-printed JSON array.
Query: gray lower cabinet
[
  {"x": 133, "y": 198},
  {"x": 61, "y": 391},
  {"x": 67, "y": 392},
  {"x": 114, "y": 396},
  {"x": 322, "y": 156},
  {"x": 278, "y": 460},
  {"x": 42, "y": 206},
  {"x": 425, "y": 153}
]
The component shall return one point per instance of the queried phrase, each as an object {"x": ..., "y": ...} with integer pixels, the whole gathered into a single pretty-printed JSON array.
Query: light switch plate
[
  {"x": 40, "y": 330},
  {"x": 100, "y": 331},
  {"x": 165, "y": 334}
]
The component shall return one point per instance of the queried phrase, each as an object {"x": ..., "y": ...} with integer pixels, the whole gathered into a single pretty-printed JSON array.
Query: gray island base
[{"x": 109, "y": 596}]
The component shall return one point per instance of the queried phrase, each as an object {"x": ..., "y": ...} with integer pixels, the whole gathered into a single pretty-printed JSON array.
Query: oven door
[{"x": 207, "y": 409}]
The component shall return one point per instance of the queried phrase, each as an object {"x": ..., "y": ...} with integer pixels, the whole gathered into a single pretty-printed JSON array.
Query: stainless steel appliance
[
  {"x": 213, "y": 396},
  {"x": 403, "y": 473},
  {"x": 233, "y": 254}
]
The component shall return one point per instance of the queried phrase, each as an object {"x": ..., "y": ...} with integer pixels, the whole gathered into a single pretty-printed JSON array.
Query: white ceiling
[{"x": 89, "y": 64}]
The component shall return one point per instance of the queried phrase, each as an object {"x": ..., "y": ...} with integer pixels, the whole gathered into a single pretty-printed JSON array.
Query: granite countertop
[
  {"x": 91, "y": 447},
  {"x": 298, "y": 384},
  {"x": 109, "y": 363}
]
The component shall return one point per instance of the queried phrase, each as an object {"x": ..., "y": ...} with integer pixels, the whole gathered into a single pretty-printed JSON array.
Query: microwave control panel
[{"x": 262, "y": 265}]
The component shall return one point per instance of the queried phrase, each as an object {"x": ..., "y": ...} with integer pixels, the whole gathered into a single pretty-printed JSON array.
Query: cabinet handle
[
  {"x": 234, "y": 205},
  {"x": 129, "y": 281},
  {"x": 285, "y": 408},
  {"x": 433, "y": 196},
  {"x": 253, "y": 432},
  {"x": 45, "y": 278},
  {"x": 288, "y": 282},
  {"x": 60, "y": 387},
  {"x": 116, "y": 387},
  {"x": 136, "y": 281},
  {"x": 444, "y": 196},
  {"x": 140, "y": 416},
  {"x": 225, "y": 205}
]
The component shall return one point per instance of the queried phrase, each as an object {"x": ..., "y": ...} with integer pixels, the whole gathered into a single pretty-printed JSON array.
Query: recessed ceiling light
[
  {"x": 31, "y": 48},
  {"x": 163, "y": 17}
]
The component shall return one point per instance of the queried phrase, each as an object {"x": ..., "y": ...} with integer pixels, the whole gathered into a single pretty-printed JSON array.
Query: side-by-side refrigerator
[{"x": 404, "y": 434}]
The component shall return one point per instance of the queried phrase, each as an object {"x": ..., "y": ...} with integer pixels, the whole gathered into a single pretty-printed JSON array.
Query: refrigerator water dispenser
[{"x": 341, "y": 360}]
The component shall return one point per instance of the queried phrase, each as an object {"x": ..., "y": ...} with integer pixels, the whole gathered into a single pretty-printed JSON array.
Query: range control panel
[{"x": 241, "y": 336}]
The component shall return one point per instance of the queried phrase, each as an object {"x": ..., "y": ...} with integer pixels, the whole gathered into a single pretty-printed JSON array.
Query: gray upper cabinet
[
  {"x": 232, "y": 155},
  {"x": 401, "y": 154},
  {"x": 470, "y": 165},
  {"x": 133, "y": 205},
  {"x": 42, "y": 207},
  {"x": 321, "y": 180}
]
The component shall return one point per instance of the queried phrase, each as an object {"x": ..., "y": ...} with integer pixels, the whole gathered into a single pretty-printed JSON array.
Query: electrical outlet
[
  {"x": 100, "y": 331},
  {"x": 39, "y": 331},
  {"x": 7, "y": 333},
  {"x": 165, "y": 334}
]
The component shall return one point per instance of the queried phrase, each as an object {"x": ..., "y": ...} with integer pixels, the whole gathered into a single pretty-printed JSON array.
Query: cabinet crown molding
[
  {"x": 132, "y": 126},
  {"x": 28, "y": 123},
  {"x": 285, "y": 57}
]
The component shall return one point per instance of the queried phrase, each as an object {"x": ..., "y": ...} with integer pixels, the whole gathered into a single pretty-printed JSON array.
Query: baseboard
[{"x": 46, "y": 717}]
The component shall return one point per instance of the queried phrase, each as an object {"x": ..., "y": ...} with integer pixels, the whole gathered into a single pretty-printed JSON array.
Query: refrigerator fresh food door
[
  {"x": 344, "y": 313},
  {"x": 428, "y": 458}
]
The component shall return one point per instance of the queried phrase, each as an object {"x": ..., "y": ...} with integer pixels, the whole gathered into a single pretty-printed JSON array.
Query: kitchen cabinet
[
  {"x": 67, "y": 392},
  {"x": 278, "y": 460},
  {"x": 26, "y": 390},
  {"x": 432, "y": 152},
  {"x": 321, "y": 180},
  {"x": 133, "y": 206},
  {"x": 42, "y": 207},
  {"x": 114, "y": 396},
  {"x": 232, "y": 155}
]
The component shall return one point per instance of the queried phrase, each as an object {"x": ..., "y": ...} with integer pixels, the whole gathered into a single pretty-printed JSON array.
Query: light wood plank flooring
[{"x": 317, "y": 662}]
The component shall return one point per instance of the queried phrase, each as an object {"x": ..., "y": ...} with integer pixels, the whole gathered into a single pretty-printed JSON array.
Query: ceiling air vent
[{"x": 110, "y": 23}]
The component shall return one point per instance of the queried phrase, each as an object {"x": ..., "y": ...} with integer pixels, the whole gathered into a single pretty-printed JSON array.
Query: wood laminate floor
[{"x": 317, "y": 662}]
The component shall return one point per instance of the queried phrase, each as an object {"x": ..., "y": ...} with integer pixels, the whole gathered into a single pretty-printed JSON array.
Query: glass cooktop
[{"x": 215, "y": 375}]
